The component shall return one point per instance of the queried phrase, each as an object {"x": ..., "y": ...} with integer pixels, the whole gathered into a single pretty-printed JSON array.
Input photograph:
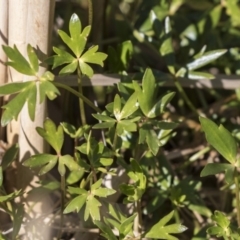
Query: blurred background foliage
[
  {"x": 196, "y": 25},
  {"x": 211, "y": 23}
]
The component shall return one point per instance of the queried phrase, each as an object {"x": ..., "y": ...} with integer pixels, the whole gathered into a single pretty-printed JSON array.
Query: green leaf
[
  {"x": 54, "y": 136},
  {"x": 161, "y": 231},
  {"x": 11, "y": 88},
  {"x": 46, "y": 88},
  {"x": 93, "y": 207},
  {"x": 156, "y": 24},
  {"x": 18, "y": 215},
  {"x": 106, "y": 161},
  {"x": 166, "y": 48},
  {"x": 72, "y": 131},
  {"x": 86, "y": 69},
  {"x": 215, "y": 230},
  {"x": 108, "y": 233},
  {"x": 221, "y": 219},
  {"x": 220, "y": 138},
  {"x": 31, "y": 100},
  {"x": 96, "y": 185},
  {"x": 233, "y": 11},
  {"x": 47, "y": 76},
  {"x": 75, "y": 26},
  {"x": 125, "y": 51},
  {"x": 33, "y": 59},
  {"x": 18, "y": 62},
  {"x": 205, "y": 59},
  {"x": 9, "y": 156},
  {"x": 48, "y": 167},
  {"x": 199, "y": 75},
  {"x": 103, "y": 192},
  {"x": 39, "y": 160},
  {"x": 159, "y": 107},
  {"x": 126, "y": 125},
  {"x": 103, "y": 125},
  {"x": 77, "y": 41},
  {"x": 92, "y": 56},
  {"x": 61, "y": 58},
  {"x": 13, "y": 108},
  {"x": 61, "y": 168},
  {"x": 147, "y": 96},
  {"x": 76, "y": 204},
  {"x": 130, "y": 106},
  {"x": 70, "y": 68},
  {"x": 126, "y": 226},
  {"x": 152, "y": 141},
  {"x": 10, "y": 196},
  {"x": 104, "y": 118},
  {"x": 117, "y": 106},
  {"x": 79, "y": 191},
  {"x": 215, "y": 168},
  {"x": 69, "y": 162}
]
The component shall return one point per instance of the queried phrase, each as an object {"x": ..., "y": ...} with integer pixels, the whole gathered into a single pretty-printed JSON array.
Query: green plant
[
  {"x": 222, "y": 140},
  {"x": 133, "y": 115},
  {"x": 134, "y": 134}
]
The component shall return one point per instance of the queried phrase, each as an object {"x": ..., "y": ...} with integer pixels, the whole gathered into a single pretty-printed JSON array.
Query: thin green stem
[
  {"x": 184, "y": 96},
  {"x": 79, "y": 95},
  {"x": 81, "y": 103},
  {"x": 63, "y": 187},
  {"x": 115, "y": 140},
  {"x": 237, "y": 196},
  {"x": 90, "y": 12}
]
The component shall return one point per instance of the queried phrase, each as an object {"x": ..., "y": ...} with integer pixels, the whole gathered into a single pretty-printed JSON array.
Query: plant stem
[
  {"x": 138, "y": 219},
  {"x": 79, "y": 95},
  {"x": 81, "y": 103},
  {"x": 62, "y": 205},
  {"x": 237, "y": 196},
  {"x": 115, "y": 141},
  {"x": 90, "y": 12},
  {"x": 184, "y": 96}
]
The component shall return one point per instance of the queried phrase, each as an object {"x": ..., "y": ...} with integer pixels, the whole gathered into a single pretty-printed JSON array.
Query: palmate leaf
[
  {"x": 27, "y": 91},
  {"x": 47, "y": 89},
  {"x": 27, "y": 95},
  {"x": 77, "y": 40},
  {"x": 52, "y": 134},
  {"x": 77, "y": 43},
  {"x": 69, "y": 162},
  {"x": 92, "y": 56},
  {"x": 19, "y": 62},
  {"x": 162, "y": 231},
  {"x": 39, "y": 160},
  {"x": 76, "y": 204},
  {"x": 93, "y": 206}
]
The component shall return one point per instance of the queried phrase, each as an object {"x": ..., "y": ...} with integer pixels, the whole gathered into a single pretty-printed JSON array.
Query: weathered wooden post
[{"x": 30, "y": 22}]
